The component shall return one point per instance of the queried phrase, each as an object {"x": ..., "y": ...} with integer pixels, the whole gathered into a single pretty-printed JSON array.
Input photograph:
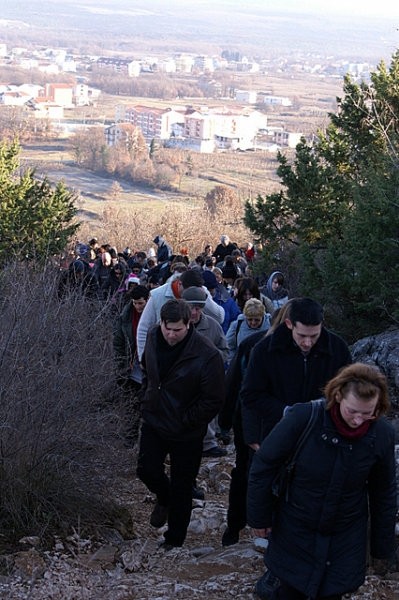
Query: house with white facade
[
  {"x": 81, "y": 94},
  {"x": 126, "y": 66},
  {"x": 184, "y": 62},
  {"x": 277, "y": 100},
  {"x": 289, "y": 139},
  {"x": 14, "y": 98},
  {"x": 223, "y": 129},
  {"x": 246, "y": 96},
  {"x": 60, "y": 93},
  {"x": 118, "y": 133},
  {"x": 154, "y": 122},
  {"x": 43, "y": 109}
]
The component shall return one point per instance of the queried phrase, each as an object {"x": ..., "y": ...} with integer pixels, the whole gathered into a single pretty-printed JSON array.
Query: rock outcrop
[{"x": 382, "y": 350}]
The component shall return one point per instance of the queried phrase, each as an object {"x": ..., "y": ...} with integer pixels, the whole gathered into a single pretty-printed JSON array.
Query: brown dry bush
[
  {"x": 58, "y": 424},
  {"x": 185, "y": 224}
]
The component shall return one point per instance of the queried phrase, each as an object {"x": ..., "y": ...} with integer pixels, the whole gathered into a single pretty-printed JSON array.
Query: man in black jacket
[
  {"x": 292, "y": 365},
  {"x": 183, "y": 391}
]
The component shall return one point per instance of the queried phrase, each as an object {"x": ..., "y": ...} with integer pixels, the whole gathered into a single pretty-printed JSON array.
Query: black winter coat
[
  {"x": 279, "y": 375},
  {"x": 318, "y": 542},
  {"x": 180, "y": 406}
]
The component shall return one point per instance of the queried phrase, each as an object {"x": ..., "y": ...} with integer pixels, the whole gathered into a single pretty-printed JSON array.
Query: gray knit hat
[{"x": 194, "y": 295}]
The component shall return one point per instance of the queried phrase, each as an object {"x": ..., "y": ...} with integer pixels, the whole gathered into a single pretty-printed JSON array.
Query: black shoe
[
  {"x": 230, "y": 537},
  {"x": 198, "y": 493},
  {"x": 168, "y": 546},
  {"x": 165, "y": 546},
  {"x": 159, "y": 516},
  {"x": 224, "y": 437},
  {"x": 215, "y": 452},
  {"x": 267, "y": 586}
]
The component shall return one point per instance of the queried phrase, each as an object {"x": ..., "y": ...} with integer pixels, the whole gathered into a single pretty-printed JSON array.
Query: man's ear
[{"x": 289, "y": 323}]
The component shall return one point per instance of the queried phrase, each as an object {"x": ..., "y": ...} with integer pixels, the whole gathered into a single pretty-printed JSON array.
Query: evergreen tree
[
  {"x": 36, "y": 218},
  {"x": 338, "y": 208}
]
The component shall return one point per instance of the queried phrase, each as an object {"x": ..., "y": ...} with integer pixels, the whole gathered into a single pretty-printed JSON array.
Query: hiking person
[
  {"x": 344, "y": 483},
  {"x": 183, "y": 389}
]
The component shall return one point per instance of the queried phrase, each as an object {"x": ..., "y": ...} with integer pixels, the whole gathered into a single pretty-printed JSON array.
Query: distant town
[{"x": 242, "y": 125}]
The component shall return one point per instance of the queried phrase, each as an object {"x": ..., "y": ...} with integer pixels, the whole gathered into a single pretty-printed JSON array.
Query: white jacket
[{"x": 152, "y": 311}]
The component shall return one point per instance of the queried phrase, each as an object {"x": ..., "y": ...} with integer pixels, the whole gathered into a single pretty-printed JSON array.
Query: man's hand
[
  {"x": 262, "y": 533},
  {"x": 254, "y": 447}
]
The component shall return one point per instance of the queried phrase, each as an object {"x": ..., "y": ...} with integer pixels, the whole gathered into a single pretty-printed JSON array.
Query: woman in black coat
[{"x": 344, "y": 481}]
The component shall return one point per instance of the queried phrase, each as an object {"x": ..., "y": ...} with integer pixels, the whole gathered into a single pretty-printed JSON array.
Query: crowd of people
[{"x": 205, "y": 354}]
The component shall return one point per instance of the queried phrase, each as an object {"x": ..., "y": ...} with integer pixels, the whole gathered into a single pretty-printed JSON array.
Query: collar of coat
[{"x": 282, "y": 339}]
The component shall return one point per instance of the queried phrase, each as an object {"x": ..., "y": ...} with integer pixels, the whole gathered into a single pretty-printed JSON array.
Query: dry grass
[{"x": 249, "y": 174}]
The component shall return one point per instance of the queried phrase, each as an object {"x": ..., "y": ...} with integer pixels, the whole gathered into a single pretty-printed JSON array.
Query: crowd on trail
[{"x": 207, "y": 353}]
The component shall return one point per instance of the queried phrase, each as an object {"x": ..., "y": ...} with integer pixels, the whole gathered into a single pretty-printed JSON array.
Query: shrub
[{"x": 58, "y": 431}]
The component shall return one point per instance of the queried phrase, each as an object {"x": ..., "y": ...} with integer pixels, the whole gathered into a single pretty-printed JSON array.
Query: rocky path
[{"x": 116, "y": 568}]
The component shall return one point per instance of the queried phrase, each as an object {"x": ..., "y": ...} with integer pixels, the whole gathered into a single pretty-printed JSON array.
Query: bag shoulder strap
[
  {"x": 239, "y": 323},
  {"x": 316, "y": 407}
]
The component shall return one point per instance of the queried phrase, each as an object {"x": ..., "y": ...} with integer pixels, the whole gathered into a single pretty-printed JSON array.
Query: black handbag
[{"x": 282, "y": 481}]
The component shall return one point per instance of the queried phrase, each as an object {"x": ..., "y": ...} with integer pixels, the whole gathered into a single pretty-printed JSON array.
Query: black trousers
[
  {"x": 237, "y": 509},
  {"x": 176, "y": 491}
]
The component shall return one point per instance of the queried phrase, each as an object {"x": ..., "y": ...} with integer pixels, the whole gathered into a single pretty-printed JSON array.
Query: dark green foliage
[
  {"x": 338, "y": 209},
  {"x": 36, "y": 219}
]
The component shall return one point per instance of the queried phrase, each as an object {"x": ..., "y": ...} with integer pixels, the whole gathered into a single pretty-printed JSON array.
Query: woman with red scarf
[{"x": 343, "y": 487}]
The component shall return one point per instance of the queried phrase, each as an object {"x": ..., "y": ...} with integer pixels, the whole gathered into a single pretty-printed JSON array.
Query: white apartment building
[
  {"x": 184, "y": 63},
  {"x": 154, "y": 122}
]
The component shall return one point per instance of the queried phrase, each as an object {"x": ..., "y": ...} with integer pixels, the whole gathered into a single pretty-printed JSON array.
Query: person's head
[
  {"x": 106, "y": 259},
  {"x": 224, "y": 240},
  {"x": 136, "y": 268},
  {"x": 178, "y": 267},
  {"x": 119, "y": 271},
  {"x": 247, "y": 288},
  {"x": 236, "y": 254},
  {"x": 196, "y": 298},
  {"x": 305, "y": 322},
  {"x": 140, "y": 257},
  {"x": 229, "y": 271},
  {"x": 210, "y": 262},
  {"x": 132, "y": 281},
  {"x": 191, "y": 278},
  {"x": 218, "y": 274},
  {"x": 361, "y": 391},
  {"x": 175, "y": 321},
  {"x": 139, "y": 296},
  {"x": 200, "y": 260},
  {"x": 277, "y": 281},
  {"x": 158, "y": 240},
  {"x": 208, "y": 250},
  {"x": 254, "y": 312},
  {"x": 153, "y": 281},
  {"x": 181, "y": 258},
  {"x": 151, "y": 263},
  {"x": 210, "y": 281}
]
